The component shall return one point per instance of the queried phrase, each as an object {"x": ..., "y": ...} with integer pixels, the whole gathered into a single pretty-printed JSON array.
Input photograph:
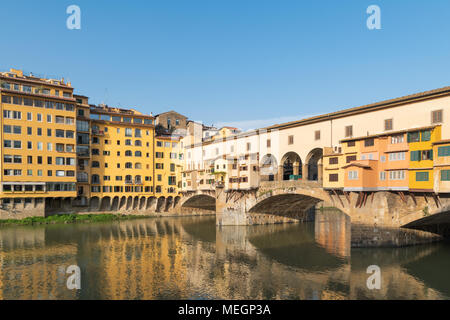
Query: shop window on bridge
[
  {"x": 444, "y": 151},
  {"x": 422, "y": 176},
  {"x": 425, "y": 135},
  {"x": 369, "y": 142},
  {"x": 414, "y": 136},
  {"x": 445, "y": 175},
  {"x": 353, "y": 175}
]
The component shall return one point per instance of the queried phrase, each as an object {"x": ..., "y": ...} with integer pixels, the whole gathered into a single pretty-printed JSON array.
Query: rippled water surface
[{"x": 189, "y": 258}]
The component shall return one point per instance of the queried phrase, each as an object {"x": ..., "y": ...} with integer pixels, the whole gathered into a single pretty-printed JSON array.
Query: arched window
[
  {"x": 138, "y": 154},
  {"x": 128, "y": 165},
  {"x": 128, "y": 153},
  {"x": 128, "y": 179},
  {"x": 138, "y": 165},
  {"x": 138, "y": 143},
  {"x": 137, "y": 179}
]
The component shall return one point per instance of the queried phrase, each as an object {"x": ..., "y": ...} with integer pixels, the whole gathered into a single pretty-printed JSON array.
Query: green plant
[{"x": 426, "y": 213}]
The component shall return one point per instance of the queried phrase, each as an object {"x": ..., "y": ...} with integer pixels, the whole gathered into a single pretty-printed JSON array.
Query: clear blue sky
[{"x": 227, "y": 61}]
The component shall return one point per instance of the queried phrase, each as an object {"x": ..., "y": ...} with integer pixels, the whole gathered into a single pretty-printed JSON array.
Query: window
[
  {"x": 317, "y": 135},
  {"x": 445, "y": 175},
  {"x": 16, "y": 115},
  {"x": 383, "y": 175},
  {"x": 29, "y": 116},
  {"x": 425, "y": 135},
  {"x": 28, "y": 102},
  {"x": 59, "y": 133},
  {"x": 349, "y": 131},
  {"x": 291, "y": 140},
  {"x": 397, "y": 175},
  {"x": 334, "y": 177},
  {"x": 436, "y": 116},
  {"x": 422, "y": 176},
  {"x": 400, "y": 138},
  {"x": 350, "y": 159},
  {"x": 444, "y": 151},
  {"x": 369, "y": 142},
  {"x": 249, "y": 146},
  {"x": 353, "y": 175},
  {"x": 334, "y": 160},
  {"x": 414, "y": 136},
  {"x": 137, "y": 133},
  {"x": 427, "y": 155},
  {"x": 388, "y": 124},
  {"x": 268, "y": 143},
  {"x": 6, "y": 99},
  {"x": 128, "y": 132},
  {"x": 397, "y": 156},
  {"x": 351, "y": 144}
]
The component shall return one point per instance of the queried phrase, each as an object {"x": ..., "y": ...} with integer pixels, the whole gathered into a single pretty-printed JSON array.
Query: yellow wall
[
  {"x": 167, "y": 147},
  {"x": 114, "y": 132},
  {"x": 423, "y": 166},
  {"x": 24, "y": 137}
]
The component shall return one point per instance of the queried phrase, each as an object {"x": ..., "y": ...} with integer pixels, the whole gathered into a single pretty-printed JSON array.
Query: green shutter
[
  {"x": 422, "y": 176},
  {"x": 415, "y": 156},
  {"x": 445, "y": 175},
  {"x": 444, "y": 151},
  {"x": 426, "y": 135}
]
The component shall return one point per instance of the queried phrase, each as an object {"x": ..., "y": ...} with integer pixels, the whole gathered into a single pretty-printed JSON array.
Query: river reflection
[{"x": 188, "y": 258}]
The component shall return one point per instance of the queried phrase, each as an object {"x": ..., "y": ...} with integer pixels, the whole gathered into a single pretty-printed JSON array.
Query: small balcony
[{"x": 98, "y": 132}]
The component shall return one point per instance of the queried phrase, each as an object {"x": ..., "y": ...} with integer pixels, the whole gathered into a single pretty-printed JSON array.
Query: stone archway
[
  {"x": 291, "y": 167},
  {"x": 313, "y": 166},
  {"x": 115, "y": 204}
]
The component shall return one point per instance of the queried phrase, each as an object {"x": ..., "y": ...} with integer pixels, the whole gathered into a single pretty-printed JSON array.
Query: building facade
[{"x": 61, "y": 154}]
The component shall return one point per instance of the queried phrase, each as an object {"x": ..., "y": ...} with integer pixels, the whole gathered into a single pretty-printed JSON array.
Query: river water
[{"x": 189, "y": 258}]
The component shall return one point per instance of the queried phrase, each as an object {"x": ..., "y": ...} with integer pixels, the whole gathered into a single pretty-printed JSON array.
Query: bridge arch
[
  {"x": 291, "y": 202},
  {"x": 291, "y": 164},
  {"x": 200, "y": 201}
]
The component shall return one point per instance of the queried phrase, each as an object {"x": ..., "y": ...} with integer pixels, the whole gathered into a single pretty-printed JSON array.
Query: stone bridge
[{"x": 290, "y": 201}]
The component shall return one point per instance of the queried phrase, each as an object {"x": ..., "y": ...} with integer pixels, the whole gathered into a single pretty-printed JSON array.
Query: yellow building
[
  {"x": 421, "y": 176},
  {"x": 38, "y": 147},
  {"x": 441, "y": 151},
  {"x": 167, "y": 166},
  {"x": 121, "y": 153}
]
